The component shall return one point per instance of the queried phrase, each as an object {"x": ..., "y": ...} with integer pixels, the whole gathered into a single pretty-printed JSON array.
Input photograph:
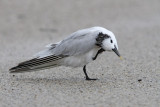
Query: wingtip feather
[{"x": 17, "y": 69}]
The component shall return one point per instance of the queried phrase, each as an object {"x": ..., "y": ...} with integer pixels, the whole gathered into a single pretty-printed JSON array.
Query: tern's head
[{"x": 107, "y": 41}]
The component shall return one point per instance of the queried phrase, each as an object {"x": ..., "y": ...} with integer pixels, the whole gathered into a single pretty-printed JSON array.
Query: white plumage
[{"x": 77, "y": 50}]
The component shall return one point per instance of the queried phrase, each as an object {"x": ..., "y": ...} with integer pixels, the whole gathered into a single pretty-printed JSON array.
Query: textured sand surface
[{"x": 26, "y": 26}]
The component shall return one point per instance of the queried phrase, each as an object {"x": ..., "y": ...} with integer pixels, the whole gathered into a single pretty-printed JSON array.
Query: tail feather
[
  {"x": 36, "y": 64},
  {"x": 18, "y": 69}
]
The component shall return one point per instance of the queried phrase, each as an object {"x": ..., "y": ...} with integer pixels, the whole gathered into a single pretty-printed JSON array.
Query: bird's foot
[
  {"x": 89, "y": 79},
  {"x": 94, "y": 58}
]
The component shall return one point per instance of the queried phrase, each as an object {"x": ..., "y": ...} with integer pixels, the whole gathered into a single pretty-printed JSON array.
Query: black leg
[
  {"x": 99, "y": 52},
  {"x": 87, "y": 78}
]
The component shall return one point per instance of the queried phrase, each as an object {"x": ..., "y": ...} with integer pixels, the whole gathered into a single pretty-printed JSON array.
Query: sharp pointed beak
[{"x": 116, "y": 51}]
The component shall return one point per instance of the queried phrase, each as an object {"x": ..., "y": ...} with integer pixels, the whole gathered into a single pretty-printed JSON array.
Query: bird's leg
[
  {"x": 99, "y": 52},
  {"x": 87, "y": 78}
]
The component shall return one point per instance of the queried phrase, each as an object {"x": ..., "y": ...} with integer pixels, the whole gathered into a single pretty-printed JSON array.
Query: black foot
[
  {"x": 99, "y": 52},
  {"x": 89, "y": 79}
]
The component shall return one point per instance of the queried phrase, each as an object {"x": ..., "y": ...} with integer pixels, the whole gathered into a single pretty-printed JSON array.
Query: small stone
[{"x": 139, "y": 80}]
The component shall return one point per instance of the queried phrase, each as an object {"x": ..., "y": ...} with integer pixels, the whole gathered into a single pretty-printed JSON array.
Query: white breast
[{"x": 79, "y": 60}]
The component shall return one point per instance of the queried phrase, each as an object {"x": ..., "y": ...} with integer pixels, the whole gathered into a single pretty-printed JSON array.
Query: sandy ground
[{"x": 26, "y": 26}]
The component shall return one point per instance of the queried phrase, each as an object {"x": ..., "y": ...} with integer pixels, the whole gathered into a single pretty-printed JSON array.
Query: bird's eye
[{"x": 111, "y": 41}]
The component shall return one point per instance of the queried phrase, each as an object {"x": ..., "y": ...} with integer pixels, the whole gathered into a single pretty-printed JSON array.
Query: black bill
[{"x": 116, "y": 51}]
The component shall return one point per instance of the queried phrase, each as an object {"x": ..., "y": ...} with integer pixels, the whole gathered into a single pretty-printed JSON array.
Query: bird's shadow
[{"x": 60, "y": 81}]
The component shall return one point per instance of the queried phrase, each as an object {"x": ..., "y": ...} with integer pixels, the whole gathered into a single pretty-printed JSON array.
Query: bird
[{"x": 76, "y": 50}]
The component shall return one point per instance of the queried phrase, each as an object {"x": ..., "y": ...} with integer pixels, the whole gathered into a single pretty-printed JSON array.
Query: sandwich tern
[{"x": 77, "y": 50}]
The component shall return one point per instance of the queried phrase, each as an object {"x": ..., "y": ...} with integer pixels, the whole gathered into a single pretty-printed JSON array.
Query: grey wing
[
  {"x": 48, "y": 51},
  {"x": 78, "y": 43}
]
